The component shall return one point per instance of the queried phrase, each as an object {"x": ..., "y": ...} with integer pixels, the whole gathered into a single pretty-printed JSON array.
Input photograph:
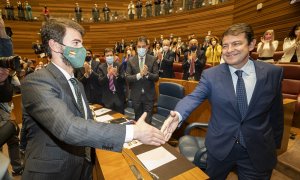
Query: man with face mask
[
  {"x": 112, "y": 80},
  {"x": 88, "y": 75},
  {"x": 165, "y": 60},
  {"x": 59, "y": 124},
  {"x": 193, "y": 62},
  {"x": 141, "y": 74}
]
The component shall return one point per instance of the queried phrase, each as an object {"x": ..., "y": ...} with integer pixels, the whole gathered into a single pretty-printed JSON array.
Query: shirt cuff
[
  {"x": 138, "y": 76},
  {"x": 180, "y": 118},
  {"x": 129, "y": 133}
]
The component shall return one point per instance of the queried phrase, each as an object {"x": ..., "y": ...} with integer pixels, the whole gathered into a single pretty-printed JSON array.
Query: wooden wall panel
[{"x": 276, "y": 14}]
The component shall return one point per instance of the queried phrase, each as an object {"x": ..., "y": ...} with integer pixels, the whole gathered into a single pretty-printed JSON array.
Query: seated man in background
[
  {"x": 165, "y": 60},
  {"x": 193, "y": 62},
  {"x": 112, "y": 81},
  {"x": 61, "y": 131},
  {"x": 88, "y": 76}
]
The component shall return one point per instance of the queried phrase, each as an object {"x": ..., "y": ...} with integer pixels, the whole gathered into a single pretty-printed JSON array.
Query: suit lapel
[
  {"x": 135, "y": 62},
  {"x": 228, "y": 88},
  {"x": 260, "y": 81},
  {"x": 61, "y": 79}
]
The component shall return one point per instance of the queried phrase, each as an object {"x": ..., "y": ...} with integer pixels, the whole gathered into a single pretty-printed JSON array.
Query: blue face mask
[
  {"x": 75, "y": 56},
  {"x": 141, "y": 52},
  {"x": 109, "y": 60}
]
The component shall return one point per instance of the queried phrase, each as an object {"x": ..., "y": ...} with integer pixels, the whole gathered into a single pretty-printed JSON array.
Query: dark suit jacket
[
  {"x": 119, "y": 83},
  {"x": 56, "y": 133},
  {"x": 199, "y": 65},
  {"x": 262, "y": 126},
  {"x": 148, "y": 84},
  {"x": 166, "y": 65},
  {"x": 92, "y": 88}
]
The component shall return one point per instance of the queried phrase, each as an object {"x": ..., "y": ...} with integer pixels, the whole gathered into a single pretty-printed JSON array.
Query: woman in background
[
  {"x": 214, "y": 51},
  {"x": 291, "y": 45},
  {"x": 267, "y": 47}
]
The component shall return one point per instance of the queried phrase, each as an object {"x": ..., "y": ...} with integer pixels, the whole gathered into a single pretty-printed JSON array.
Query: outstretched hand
[
  {"x": 170, "y": 124},
  {"x": 147, "y": 134}
]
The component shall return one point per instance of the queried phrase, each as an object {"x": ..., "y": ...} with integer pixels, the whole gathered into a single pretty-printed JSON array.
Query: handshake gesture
[{"x": 148, "y": 134}]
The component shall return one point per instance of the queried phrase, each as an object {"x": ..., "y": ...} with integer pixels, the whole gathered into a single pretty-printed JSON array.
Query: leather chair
[
  {"x": 169, "y": 95},
  {"x": 291, "y": 87},
  {"x": 178, "y": 71},
  {"x": 192, "y": 147}
]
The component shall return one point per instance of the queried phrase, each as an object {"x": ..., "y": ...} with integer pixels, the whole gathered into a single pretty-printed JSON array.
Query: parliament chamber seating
[
  {"x": 277, "y": 55},
  {"x": 178, "y": 71},
  {"x": 291, "y": 87}
]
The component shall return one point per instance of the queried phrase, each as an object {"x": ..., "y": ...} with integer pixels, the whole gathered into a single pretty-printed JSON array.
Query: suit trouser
[
  {"x": 141, "y": 106},
  {"x": 238, "y": 159},
  {"x": 115, "y": 104}
]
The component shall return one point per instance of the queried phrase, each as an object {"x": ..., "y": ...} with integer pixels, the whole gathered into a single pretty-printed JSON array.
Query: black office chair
[
  {"x": 193, "y": 148},
  {"x": 169, "y": 95}
]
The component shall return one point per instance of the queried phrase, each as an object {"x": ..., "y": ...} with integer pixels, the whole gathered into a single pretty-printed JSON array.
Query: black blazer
[
  {"x": 199, "y": 65},
  {"x": 91, "y": 85},
  {"x": 119, "y": 83},
  {"x": 166, "y": 65},
  {"x": 148, "y": 84}
]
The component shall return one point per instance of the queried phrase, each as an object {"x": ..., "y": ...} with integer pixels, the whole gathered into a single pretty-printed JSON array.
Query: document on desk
[
  {"x": 105, "y": 118},
  {"x": 101, "y": 111},
  {"x": 155, "y": 158}
]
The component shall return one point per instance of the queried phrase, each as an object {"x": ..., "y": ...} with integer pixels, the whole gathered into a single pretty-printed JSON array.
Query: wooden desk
[{"x": 113, "y": 165}]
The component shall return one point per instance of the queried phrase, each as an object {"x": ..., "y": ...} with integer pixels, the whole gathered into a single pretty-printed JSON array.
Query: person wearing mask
[
  {"x": 193, "y": 62},
  {"x": 126, "y": 58},
  {"x": 112, "y": 80},
  {"x": 291, "y": 45},
  {"x": 165, "y": 60},
  {"x": 267, "y": 47},
  {"x": 246, "y": 125},
  {"x": 214, "y": 51},
  {"x": 88, "y": 75},
  {"x": 59, "y": 123},
  {"x": 141, "y": 74}
]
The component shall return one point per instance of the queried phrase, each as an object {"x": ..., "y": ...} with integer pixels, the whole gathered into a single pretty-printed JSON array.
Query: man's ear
[
  {"x": 54, "y": 46},
  {"x": 252, "y": 44}
]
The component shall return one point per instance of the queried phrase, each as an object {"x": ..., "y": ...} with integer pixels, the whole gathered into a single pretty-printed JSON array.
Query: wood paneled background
[{"x": 275, "y": 14}]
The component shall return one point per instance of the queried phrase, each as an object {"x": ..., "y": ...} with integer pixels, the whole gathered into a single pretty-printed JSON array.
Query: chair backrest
[
  {"x": 178, "y": 71},
  {"x": 169, "y": 95}
]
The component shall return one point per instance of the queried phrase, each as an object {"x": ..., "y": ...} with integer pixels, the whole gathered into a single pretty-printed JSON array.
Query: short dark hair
[
  {"x": 292, "y": 35},
  {"x": 108, "y": 50},
  {"x": 88, "y": 50},
  {"x": 56, "y": 29},
  {"x": 240, "y": 28},
  {"x": 142, "y": 39}
]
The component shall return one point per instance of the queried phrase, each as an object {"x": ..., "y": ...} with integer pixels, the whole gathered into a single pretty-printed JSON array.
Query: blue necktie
[{"x": 241, "y": 96}]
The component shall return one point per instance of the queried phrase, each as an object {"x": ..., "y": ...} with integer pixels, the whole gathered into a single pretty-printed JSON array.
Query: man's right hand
[
  {"x": 170, "y": 125},
  {"x": 3, "y": 75},
  {"x": 147, "y": 134}
]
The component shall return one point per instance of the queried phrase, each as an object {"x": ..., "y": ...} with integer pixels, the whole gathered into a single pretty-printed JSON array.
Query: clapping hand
[
  {"x": 115, "y": 71},
  {"x": 147, "y": 134},
  {"x": 170, "y": 124}
]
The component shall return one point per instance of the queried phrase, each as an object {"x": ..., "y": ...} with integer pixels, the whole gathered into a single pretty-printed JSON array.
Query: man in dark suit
[
  {"x": 165, "y": 60},
  {"x": 88, "y": 76},
  {"x": 193, "y": 62},
  {"x": 78, "y": 12},
  {"x": 59, "y": 124},
  {"x": 246, "y": 125},
  {"x": 141, "y": 74},
  {"x": 112, "y": 80}
]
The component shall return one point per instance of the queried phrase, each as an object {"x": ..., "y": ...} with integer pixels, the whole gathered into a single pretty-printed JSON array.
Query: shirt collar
[
  {"x": 65, "y": 73},
  {"x": 248, "y": 68}
]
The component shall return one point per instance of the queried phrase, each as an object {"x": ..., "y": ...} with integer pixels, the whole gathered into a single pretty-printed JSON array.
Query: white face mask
[
  {"x": 165, "y": 48},
  {"x": 109, "y": 59},
  {"x": 141, "y": 52}
]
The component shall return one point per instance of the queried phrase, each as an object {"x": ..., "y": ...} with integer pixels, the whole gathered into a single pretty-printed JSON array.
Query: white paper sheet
[
  {"x": 156, "y": 158},
  {"x": 104, "y": 118},
  {"x": 101, "y": 111}
]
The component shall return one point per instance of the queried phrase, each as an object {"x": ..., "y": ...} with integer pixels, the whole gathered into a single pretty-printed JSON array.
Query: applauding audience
[
  {"x": 291, "y": 46},
  {"x": 267, "y": 47}
]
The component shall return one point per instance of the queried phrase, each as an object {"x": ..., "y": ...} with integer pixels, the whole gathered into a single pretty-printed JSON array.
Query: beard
[{"x": 65, "y": 60}]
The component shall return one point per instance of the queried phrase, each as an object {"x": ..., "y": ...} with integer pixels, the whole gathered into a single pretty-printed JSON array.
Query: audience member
[
  {"x": 131, "y": 10},
  {"x": 139, "y": 9},
  {"x": 95, "y": 13},
  {"x": 193, "y": 62},
  {"x": 112, "y": 80},
  {"x": 157, "y": 8},
  {"x": 46, "y": 13},
  {"x": 148, "y": 7},
  {"x": 165, "y": 60},
  {"x": 9, "y": 11},
  {"x": 21, "y": 13},
  {"x": 78, "y": 13},
  {"x": 214, "y": 51},
  {"x": 28, "y": 12},
  {"x": 88, "y": 75},
  {"x": 128, "y": 54},
  {"x": 291, "y": 45},
  {"x": 141, "y": 74},
  {"x": 59, "y": 123},
  {"x": 106, "y": 12},
  {"x": 39, "y": 66},
  {"x": 246, "y": 125},
  {"x": 267, "y": 47}
]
